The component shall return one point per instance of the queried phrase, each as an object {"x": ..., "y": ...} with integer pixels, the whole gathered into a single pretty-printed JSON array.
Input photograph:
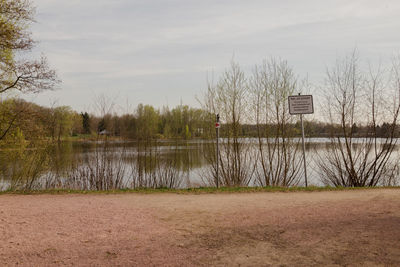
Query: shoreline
[{"x": 197, "y": 190}]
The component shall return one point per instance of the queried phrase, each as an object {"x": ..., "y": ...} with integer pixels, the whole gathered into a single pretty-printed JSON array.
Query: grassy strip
[{"x": 200, "y": 190}]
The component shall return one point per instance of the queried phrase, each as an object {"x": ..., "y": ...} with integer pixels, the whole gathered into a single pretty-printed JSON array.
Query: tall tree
[
  {"x": 85, "y": 122},
  {"x": 15, "y": 40}
]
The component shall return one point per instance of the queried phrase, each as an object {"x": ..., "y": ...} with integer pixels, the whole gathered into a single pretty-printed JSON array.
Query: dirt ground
[{"x": 228, "y": 229}]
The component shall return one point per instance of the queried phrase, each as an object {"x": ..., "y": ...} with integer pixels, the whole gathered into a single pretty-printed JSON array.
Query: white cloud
[{"x": 173, "y": 42}]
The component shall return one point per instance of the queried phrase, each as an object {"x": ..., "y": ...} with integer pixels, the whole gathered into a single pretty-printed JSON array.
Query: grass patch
[{"x": 199, "y": 190}]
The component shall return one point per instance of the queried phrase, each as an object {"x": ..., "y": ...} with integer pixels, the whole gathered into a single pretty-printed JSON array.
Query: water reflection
[{"x": 111, "y": 165}]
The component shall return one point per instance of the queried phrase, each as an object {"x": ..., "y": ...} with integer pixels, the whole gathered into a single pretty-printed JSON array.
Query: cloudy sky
[{"x": 159, "y": 52}]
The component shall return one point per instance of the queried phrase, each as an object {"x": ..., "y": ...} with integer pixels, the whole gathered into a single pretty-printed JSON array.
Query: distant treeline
[
  {"x": 321, "y": 129},
  {"x": 28, "y": 121},
  {"x": 25, "y": 120}
]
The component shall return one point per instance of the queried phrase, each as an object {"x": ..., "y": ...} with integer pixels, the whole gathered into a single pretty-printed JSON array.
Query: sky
[{"x": 162, "y": 52}]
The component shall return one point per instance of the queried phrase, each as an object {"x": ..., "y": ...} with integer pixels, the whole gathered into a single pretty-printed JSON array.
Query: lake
[{"x": 94, "y": 165}]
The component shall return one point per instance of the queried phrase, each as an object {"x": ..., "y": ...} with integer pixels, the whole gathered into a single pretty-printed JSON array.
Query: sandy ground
[{"x": 242, "y": 229}]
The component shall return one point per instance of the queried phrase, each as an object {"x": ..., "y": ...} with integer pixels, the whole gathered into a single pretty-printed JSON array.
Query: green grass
[{"x": 200, "y": 190}]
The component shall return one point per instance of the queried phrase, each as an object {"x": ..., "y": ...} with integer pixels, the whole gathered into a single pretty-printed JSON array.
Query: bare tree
[
  {"x": 228, "y": 98},
  {"x": 278, "y": 160},
  {"x": 354, "y": 97}
]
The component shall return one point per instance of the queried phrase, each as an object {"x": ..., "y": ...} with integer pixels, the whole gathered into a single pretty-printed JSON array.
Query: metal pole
[
  {"x": 217, "y": 157},
  {"x": 304, "y": 148}
]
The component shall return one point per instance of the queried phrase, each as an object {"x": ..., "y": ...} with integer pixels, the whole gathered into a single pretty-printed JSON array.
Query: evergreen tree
[{"x": 85, "y": 123}]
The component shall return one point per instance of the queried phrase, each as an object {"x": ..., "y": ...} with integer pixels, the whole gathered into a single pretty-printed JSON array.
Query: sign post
[
  {"x": 302, "y": 104},
  {"x": 217, "y": 125}
]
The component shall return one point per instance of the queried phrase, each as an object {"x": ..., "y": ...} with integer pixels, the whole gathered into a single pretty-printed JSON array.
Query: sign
[
  {"x": 217, "y": 125},
  {"x": 301, "y": 104}
]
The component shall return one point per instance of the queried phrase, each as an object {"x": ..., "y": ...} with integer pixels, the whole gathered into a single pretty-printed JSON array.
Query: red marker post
[{"x": 217, "y": 125}]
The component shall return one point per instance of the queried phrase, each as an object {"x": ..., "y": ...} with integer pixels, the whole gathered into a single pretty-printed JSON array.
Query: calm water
[{"x": 180, "y": 163}]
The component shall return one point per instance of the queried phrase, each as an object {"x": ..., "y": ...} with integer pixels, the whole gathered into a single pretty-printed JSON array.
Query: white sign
[{"x": 301, "y": 104}]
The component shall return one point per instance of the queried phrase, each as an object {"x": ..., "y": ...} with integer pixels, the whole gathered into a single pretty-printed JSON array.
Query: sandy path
[{"x": 248, "y": 229}]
